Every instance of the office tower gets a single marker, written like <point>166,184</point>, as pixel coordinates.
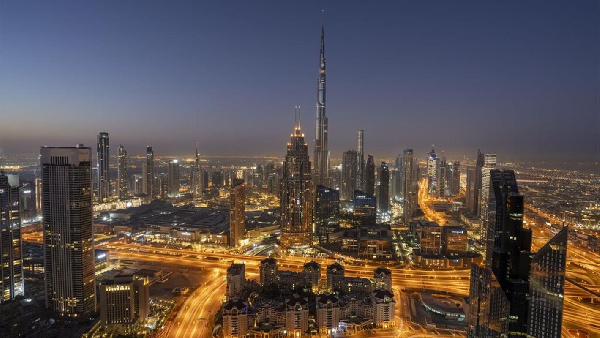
<point>470,189</point>
<point>547,287</point>
<point>478,180</point>
<point>237,212</point>
<point>432,172</point>
<point>430,239</point>
<point>268,271</point>
<point>236,280</point>
<point>365,208</point>
<point>360,160</point>
<point>197,178</point>
<point>489,163</point>
<point>327,212</point>
<point>442,177</point>
<point>296,194</point>
<point>123,179</point>
<point>369,176</point>
<point>103,168</point>
<point>148,174</point>
<point>124,299</point>
<point>321,150</point>
<point>38,195</point>
<point>173,179</point>
<point>397,180</point>
<point>384,188</point>
<point>487,308</point>
<point>511,244</point>
<point>11,252</point>
<point>455,178</point>
<point>349,175</point>
<point>409,187</point>
<point>68,238</point>
<point>217,179</point>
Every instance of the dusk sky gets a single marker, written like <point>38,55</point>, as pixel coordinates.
<point>519,78</point>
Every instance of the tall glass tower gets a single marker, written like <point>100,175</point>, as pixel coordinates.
<point>103,173</point>
<point>11,254</point>
<point>123,179</point>
<point>68,238</point>
<point>321,152</point>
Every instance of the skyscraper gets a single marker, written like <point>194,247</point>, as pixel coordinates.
<point>369,176</point>
<point>321,149</point>
<point>68,238</point>
<point>197,178</point>
<point>384,188</point>
<point>489,163</point>
<point>547,287</point>
<point>173,178</point>
<point>349,175</point>
<point>103,167</point>
<point>432,173</point>
<point>123,179</point>
<point>237,212</point>
<point>296,194</point>
<point>409,187</point>
<point>327,212</point>
<point>477,182</point>
<point>11,253</point>
<point>148,174</point>
<point>360,160</point>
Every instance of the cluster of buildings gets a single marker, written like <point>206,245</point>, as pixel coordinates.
<point>297,303</point>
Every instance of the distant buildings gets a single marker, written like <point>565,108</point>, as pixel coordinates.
<point>360,160</point>
<point>103,167</point>
<point>11,253</point>
<point>237,209</point>
<point>409,185</point>
<point>123,174</point>
<point>296,198</point>
<point>68,238</point>
<point>369,176</point>
<point>433,163</point>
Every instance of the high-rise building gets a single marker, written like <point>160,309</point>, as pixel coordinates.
<point>455,178</point>
<point>103,167</point>
<point>11,252</point>
<point>173,179</point>
<point>236,280</point>
<point>349,175</point>
<point>365,208</point>
<point>327,212</point>
<point>123,179</point>
<point>409,187</point>
<point>267,271</point>
<point>442,177</point>
<point>489,163</point>
<point>321,152</point>
<point>148,174</point>
<point>470,189</point>
<point>235,318</point>
<point>397,180</point>
<point>68,237</point>
<point>360,160</point>
<point>477,182</point>
<point>197,178</point>
<point>312,271</point>
<point>369,176</point>
<point>547,287</point>
<point>433,163</point>
<point>384,188</point>
<point>237,212</point>
<point>296,199</point>
<point>328,313</point>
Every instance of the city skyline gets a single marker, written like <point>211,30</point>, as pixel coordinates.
<point>456,71</point>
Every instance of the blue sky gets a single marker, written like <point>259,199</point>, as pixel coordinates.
<point>513,77</point>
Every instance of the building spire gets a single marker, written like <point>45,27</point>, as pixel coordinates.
<point>321,157</point>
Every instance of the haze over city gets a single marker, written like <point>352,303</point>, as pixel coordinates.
<point>516,78</point>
